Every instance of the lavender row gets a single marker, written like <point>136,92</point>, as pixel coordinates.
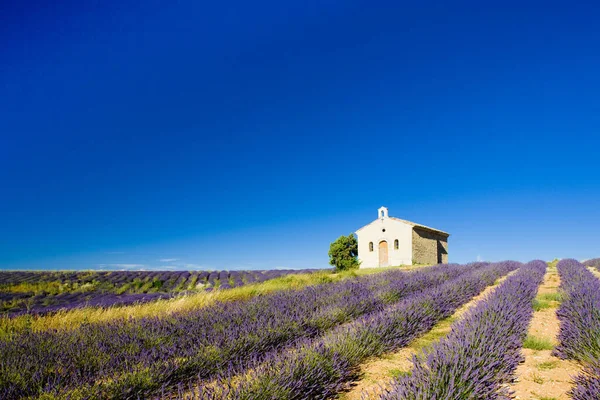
<point>51,291</point>
<point>586,385</point>
<point>579,312</point>
<point>482,351</point>
<point>123,359</point>
<point>82,300</point>
<point>68,277</point>
<point>579,334</point>
<point>594,262</point>
<point>323,367</point>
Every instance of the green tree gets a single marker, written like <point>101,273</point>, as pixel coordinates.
<point>343,253</point>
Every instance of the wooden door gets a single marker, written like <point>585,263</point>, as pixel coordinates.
<point>383,254</point>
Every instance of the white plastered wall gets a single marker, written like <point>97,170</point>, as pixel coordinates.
<point>374,233</point>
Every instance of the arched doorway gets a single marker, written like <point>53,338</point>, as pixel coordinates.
<point>383,254</point>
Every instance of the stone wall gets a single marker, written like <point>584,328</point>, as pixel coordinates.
<point>429,247</point>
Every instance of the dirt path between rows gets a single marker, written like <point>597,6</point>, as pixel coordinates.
<point>543,376</point>
<point>594,271</point>
<point>379,372</point>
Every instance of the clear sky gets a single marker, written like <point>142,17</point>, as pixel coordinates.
<point>221,135</point>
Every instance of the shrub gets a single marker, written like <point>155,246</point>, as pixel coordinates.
<point>343,253</point>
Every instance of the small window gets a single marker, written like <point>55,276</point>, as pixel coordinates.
<point>383,230</point>
<point>396,244</point>
<point>370,246</point>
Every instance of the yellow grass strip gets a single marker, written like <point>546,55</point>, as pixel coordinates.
<point>74,318</point>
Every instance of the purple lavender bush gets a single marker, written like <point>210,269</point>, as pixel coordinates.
<point>594,262</point>
<point>321,368</point>
<point>579,313</point>
<point>586,385</point>
<point>132,358</point>
<point>579,334</point>
<point>482,351</point>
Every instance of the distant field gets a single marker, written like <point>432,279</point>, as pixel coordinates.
<point>473,331</point>
<point>42,292</point>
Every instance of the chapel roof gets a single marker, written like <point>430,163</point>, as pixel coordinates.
<point>428,228</point>
<point>414,224</point>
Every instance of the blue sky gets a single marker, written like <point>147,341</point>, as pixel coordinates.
<point>155,134</point>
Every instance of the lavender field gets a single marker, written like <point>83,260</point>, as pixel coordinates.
<point>305,342</point>
<point>580,325</point>
<point>42,292</point>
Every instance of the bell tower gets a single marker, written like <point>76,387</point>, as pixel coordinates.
<point>382,213</point>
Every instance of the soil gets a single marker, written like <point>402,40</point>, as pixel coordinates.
<point>541,375</point>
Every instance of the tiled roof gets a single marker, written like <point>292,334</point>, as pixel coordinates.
<point>412,224</point>
<point>420,226</point>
